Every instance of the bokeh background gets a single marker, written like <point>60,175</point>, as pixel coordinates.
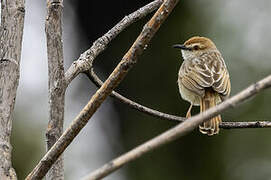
<point>240,29</point>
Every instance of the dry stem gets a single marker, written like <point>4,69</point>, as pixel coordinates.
<point>57,86</point>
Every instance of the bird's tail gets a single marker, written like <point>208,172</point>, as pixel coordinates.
<point>210,127</point>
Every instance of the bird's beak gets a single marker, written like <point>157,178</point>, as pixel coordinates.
<point>181,46</point>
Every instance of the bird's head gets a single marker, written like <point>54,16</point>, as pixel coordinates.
<point>195,46</point>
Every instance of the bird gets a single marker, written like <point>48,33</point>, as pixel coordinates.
<point>203,79</point>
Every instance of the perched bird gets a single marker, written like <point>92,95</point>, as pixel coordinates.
<point>203,79</point>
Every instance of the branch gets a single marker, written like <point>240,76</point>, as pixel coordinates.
<point>127,62</point>
<point>152,112</point>
<point>85,60</point>
<point>236,125</point>
<point>179,130</point>
<point>53,28</point>
<point>11,33</point>
<point>225,125</point>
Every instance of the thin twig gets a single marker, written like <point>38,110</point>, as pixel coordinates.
<point>98,82</point>
<point>127,62</point>
<point>179,130</point>
<point>225,125</point>
<point>11,34</point>
<point>238,125</point>
<point>84,62</point>
<point>57,86</point>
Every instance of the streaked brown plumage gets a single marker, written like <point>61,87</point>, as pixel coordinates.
<point>203,79</point>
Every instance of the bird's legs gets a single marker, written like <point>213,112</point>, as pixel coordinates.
<point>188,114</point>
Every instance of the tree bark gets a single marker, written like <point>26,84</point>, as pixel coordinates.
<point>11,32</point>
<point>53,27</point>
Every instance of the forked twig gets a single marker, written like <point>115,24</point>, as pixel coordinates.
<point>85,61</point>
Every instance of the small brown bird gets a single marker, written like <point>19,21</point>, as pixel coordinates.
<point>203,79</point>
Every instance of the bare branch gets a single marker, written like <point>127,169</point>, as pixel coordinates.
<point>57,86</point>
<point>98,82</point>
<point>179,130</point>
<point>254,124</point>
<point>225,125</point>
<point>11,33</point>
<point>127,62</point>
<point>85,60</point>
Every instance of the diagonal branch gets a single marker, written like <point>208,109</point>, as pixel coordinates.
<point>225,125</point>
<point>179,130</point>
<point>85,61</point>
<point>127,62</point>
<point>56,89</point>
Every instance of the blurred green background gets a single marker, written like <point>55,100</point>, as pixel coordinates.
<point>240,30</point>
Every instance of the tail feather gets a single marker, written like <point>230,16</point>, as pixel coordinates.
<point>210,127</point>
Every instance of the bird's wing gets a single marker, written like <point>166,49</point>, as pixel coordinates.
<point>209,70</point>
<point>220,74</point>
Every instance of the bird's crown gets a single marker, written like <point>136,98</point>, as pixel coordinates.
<point>199,43</point>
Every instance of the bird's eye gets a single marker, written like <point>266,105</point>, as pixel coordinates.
<point>196,47</point>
